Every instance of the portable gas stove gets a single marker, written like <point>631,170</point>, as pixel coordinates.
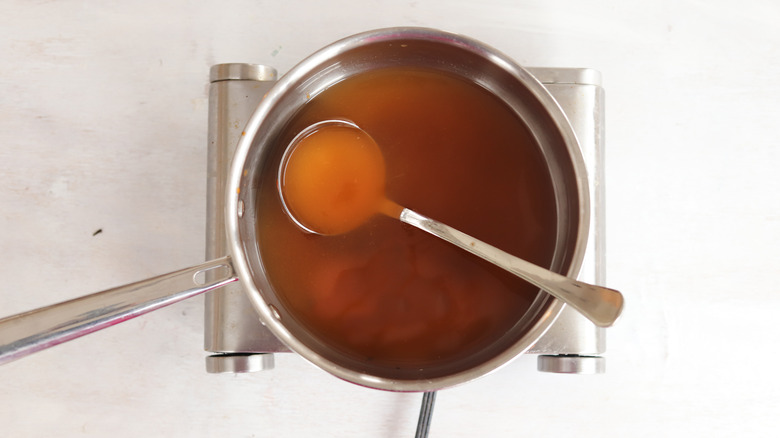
<point>234,336</point>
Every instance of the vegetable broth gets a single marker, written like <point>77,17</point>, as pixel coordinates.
<point>387,292</point>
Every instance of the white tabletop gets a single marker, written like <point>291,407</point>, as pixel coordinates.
<point>103,110</point>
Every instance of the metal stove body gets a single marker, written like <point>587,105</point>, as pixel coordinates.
<point>235,338</point>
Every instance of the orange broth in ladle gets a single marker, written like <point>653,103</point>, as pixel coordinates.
<point>386,292</point>
<point>332,178</point>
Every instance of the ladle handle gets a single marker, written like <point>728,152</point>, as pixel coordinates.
<point>29,332</point>
<point>599,304</point>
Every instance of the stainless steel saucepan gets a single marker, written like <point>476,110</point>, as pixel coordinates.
<point>29,332</point>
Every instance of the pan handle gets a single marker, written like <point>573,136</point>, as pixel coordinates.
<point>36,330</point>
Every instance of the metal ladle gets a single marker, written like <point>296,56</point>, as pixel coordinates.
<point>331,180</point>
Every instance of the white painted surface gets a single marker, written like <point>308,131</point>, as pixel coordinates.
<point>103,126</point>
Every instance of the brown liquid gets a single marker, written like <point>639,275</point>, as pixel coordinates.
<point>389,293</point>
